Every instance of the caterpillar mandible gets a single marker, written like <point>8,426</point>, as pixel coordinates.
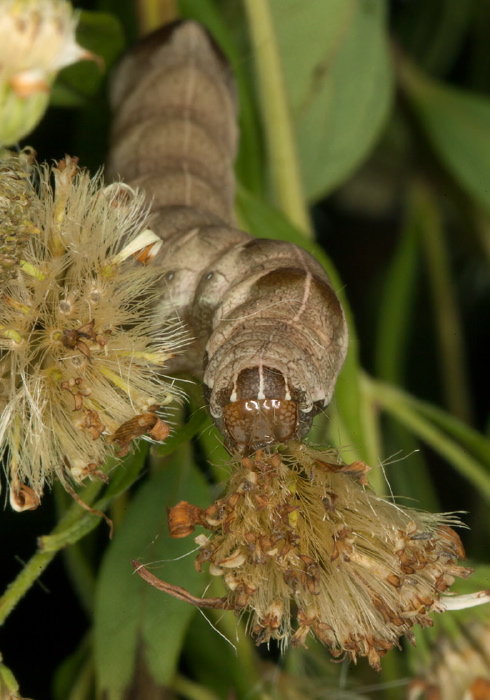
<point>270,333</point>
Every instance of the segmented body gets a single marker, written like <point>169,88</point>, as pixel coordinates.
<point>270,334</point>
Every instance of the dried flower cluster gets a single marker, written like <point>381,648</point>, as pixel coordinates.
<point>80,353</point>
<point>299,535</point>
<point>460,667</point>
<point>16,201</point>
<point>37,39</point>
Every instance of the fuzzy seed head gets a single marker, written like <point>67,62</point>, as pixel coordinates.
<point>80,353</point>
<point>16,201</point>
<point>301,535</point>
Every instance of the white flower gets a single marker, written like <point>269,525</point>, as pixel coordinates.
<point>81,354</point>
<point>37,39</point>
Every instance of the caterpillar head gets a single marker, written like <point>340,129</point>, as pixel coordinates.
<point>261,407</point>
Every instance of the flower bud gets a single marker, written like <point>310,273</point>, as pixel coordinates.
<point>37,39</point>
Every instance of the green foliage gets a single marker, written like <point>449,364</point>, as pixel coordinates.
<point>338,83</point>
<point>432,43</point>
<point>102,34</point>
<point>132,622</point>
<point>457,124</point>
<point>320,115</point>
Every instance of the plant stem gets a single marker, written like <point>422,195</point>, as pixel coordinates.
<point>191,690</point>
<point>372,447</point>
<point>395,317</point>
<point>83,686</point>
<point>447,317</point>
<point>153,14</point>
<point>398,404</point>
<point>285,173</point>
<point>41,559</point>
<point>17,589</point>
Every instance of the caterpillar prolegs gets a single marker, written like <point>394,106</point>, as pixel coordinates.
<point>270,334</point>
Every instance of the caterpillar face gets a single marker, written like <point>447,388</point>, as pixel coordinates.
<point>259,411</point>
<point>262,408</point>
<point>268,327</point>
<point>255,423</point>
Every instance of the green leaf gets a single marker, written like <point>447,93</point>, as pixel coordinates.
<point>127,14</point>
<point>395,317</point>
<point>263,221</point>
<point>74,672</point>
<point>131,617</point>
<point>405,409</point>
<point>406,469</point>
<point>183,434</point>
<point>457,124</point>
<point>101,34</point>
<point>338,80</point>
<point>9,687</point>
<point>123,474</point>
<point>474,442</point>
<point>214,662</point>
<point>478,60</point>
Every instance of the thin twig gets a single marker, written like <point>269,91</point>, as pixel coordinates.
<point>179,592</point>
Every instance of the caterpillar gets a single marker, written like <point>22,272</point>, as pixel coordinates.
<point>269,332</point>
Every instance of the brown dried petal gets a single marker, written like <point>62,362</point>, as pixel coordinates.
<point>92,424</point>
<point>69,339</point>
<point>357,469</point>
<point>343,545</point>
<point>84,349</point>
<point>77,396</point>
<point>182,519</point>
<point>447,533</point>
<point>310,578</point>
<point>160,430</point>
<point>87,330</point>
<point>22,497</point>
<point>329,501</point>
<point>267,627</point>
<point>146,254</point>
<point>479,689</point>
<point>92,470</point>
<point>136,427</point>
<point>394,580</point>
<point>242,595</point>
